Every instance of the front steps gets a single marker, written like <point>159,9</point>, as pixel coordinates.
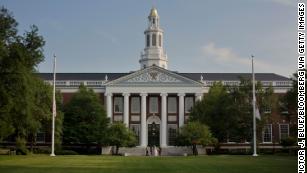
<point>166,151</point>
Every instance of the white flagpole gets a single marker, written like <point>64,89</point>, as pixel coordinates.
<point>53,107</point>
<point>254,111</point>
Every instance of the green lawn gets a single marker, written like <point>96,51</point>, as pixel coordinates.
<point>110,164</point>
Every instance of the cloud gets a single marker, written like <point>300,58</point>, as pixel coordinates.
<point>229,56</point>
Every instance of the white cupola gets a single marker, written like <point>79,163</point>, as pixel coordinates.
<point>153,53</point>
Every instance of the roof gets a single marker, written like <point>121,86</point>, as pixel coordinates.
<point>193,76</point>
<point>235,76</point>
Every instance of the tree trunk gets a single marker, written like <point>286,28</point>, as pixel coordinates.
<point>117,147</point>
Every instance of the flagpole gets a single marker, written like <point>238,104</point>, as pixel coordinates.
<point>53,107</point>
<point>254,111</point>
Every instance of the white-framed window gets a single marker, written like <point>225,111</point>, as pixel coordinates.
<point>153,105</point>
<point>188,104</point>
<point>118,104</point>
<point>172,134</point>
<point>267,133</point>
<point>135,105</point>
<point>172,104</point>
<point>283,131</point>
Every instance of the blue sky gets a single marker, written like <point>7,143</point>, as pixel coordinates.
<point>199,35</point>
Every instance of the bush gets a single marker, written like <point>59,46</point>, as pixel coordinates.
<point>66,152</point>
<point>21,148</point>
<point>290,141</point>
<point>42,151</point>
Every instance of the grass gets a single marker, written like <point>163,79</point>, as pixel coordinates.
<point>115,164</point>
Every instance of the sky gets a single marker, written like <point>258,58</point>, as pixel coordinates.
<point>199,35</point>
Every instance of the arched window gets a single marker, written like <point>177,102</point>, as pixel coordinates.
<point>160,40</point>
<point>147,40</point>
<point>154,39</point>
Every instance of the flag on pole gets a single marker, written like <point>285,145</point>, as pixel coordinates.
<point>257,113</point>
<point>53,94</point>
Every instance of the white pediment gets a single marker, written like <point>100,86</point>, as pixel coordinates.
<point>152,76</point>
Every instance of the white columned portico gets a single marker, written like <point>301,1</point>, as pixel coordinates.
<point>143,120</point>
<point>181,109</point>
<point>163,120</point>
<point>198,96</point>
<point>109,105</point>
<point>126,109</point>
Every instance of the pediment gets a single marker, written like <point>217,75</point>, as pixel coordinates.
<point>152,76</point>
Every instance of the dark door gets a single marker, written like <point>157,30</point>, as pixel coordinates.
<point>153,134</point>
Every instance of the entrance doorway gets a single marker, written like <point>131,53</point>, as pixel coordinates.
<point>154,134</point>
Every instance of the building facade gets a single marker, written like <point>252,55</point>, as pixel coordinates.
<point>155,102</point>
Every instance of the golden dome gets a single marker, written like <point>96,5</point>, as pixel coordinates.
<point>153,12</point>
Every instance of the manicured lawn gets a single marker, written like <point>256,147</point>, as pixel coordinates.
<point>110,164</point>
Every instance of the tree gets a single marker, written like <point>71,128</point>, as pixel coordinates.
<point>121,136</point>
<point>22,110</point>
<point>195,133</point>
<point>242,97</point>
<point>289,102</point>
<point>85,120</point>
<point>228,110</point>
<point>216,110</point>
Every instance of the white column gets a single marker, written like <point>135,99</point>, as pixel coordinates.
<point>163,120</point>
<point>109,105</point>
<point>198,96</point>
<point>143,120</point>
<point>126,109</point>
<point>181,109</point>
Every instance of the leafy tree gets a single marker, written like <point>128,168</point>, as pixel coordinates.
<point>216,110</point>
<point>228,110</point>
<point>195,133</point>
<point>22,105</point>
<point>85,120</point>
<point>289,102</point>
<point>121,136</point>
<point>242,97</point>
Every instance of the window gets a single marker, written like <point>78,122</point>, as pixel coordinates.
<point>283,131</point>
<point>267,133</point>
<point>154,21</point>
<point>118,104</point>
<point>153,105</point>
<point>172,104</point>
<point>135,105</point>
<point>267,109</point>
<point>147,40</point>
<point>136,129</point>
<point>172,134</point>
<point>188,104</point>
<point>154,39</point>
<point>160,40</point>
